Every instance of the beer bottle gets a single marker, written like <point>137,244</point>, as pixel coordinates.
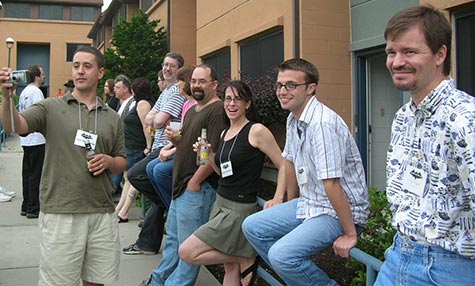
<point>89,153</point>
<point>202,154</point>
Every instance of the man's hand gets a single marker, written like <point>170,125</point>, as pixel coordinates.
<point>99,163</point>
<point>5,76</point>
<point>343,244</point>
<point>191,186</point>
<point>273,202</point>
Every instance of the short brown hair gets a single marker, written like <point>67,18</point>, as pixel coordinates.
<point>433,24</point>
<point>184,74</point>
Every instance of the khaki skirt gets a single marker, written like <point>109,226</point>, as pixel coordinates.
<point>223,230</point>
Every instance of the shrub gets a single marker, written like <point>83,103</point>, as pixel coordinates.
<point>269,110</point>
<point>378,235</point>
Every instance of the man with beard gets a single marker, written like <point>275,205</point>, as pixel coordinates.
<point>167,107</point>
<point>33,146</point>
<point>193,194</point>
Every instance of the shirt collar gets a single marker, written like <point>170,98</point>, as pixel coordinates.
<point>68,97</point>
<point>432,101</point>
<point>307,112</point>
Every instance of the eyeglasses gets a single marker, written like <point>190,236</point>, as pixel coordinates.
<point>172,66</point>
<point>289,86</point>
<point>200,81</point>
<point>236,100</point>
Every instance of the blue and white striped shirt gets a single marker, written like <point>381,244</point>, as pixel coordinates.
<point>171,102</point>
<point>327,150</point>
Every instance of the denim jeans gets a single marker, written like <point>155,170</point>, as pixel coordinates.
<point>187,212</point>
<point>412,264</point>
<point>160,175</point>
<point>288,244</point>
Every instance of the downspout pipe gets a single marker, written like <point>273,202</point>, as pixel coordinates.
<point>169,12</point>
<point>296,40</point>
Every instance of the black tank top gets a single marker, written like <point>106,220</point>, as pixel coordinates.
<point>247,162</point>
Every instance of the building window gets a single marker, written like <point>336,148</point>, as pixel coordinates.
<point>221,62</point>
<point>262,53</point>
<point>146,4</point>
<point>71,48</point>
<point>17,10</point>
<point>465,54</point>
<point>51,12</point>
<point>82,13</point>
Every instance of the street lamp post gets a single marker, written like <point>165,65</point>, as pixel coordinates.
<point>10,42</point>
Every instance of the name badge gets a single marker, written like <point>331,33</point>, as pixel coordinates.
<point>302,175</point>
<point>84,136</point>
<point>226,169</point>
<point>414,180</point>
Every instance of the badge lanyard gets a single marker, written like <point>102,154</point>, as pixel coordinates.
<point>226,167</point>
<point>81,135</point>
<point>80,118</point>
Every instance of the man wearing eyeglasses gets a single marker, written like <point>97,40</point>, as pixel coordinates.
<point>168,107</point>
<point>193,191</point>
<point>326,188</point>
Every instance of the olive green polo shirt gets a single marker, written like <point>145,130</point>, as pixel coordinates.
<point>66,185</point>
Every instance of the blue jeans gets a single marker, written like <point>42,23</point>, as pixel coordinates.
<point>187,212</point>
<point>160,175</point>
<point>413,264</point>
<point>288,244</point>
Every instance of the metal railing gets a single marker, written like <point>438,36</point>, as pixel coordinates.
<point>373,265</point>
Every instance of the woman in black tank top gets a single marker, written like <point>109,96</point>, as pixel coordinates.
<point>239,160</point>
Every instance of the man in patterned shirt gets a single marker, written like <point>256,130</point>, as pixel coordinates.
<point>326,186</point>
<point>431,158</point>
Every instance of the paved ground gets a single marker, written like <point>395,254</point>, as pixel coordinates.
<point>19,243</point>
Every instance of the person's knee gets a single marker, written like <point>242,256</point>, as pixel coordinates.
<point>184,251</point>
<point>279,258</point>
<point>248,226</point>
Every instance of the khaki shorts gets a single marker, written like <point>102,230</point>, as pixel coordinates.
<point>77,247</point>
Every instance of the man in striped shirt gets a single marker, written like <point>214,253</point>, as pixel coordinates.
<point>326,188</point>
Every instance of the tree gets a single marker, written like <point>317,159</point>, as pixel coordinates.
<point>139,47</point>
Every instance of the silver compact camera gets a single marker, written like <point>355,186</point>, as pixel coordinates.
<point>19,77</point>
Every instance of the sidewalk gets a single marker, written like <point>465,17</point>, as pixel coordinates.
<point>19,251</point>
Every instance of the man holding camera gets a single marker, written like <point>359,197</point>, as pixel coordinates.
<point>79,235</point>
<point>33,146</point>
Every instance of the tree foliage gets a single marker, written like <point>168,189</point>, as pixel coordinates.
<point>139,47</point>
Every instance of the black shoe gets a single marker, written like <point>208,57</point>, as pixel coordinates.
<point>31,215</point>
<point>251,270</point>
<point>141,224</point>
<point>23,213</point>
<point>121,220</point>
<point>133,249</point>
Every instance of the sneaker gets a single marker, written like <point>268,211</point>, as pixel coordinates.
<point>32,215</point>
<point>8,193</point>
<point>4,198</point>
<point>146,282</point>
<point>133,249</point>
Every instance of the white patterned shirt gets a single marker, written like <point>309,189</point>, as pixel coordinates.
<point>434,143</point>
<point>325,149</point>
